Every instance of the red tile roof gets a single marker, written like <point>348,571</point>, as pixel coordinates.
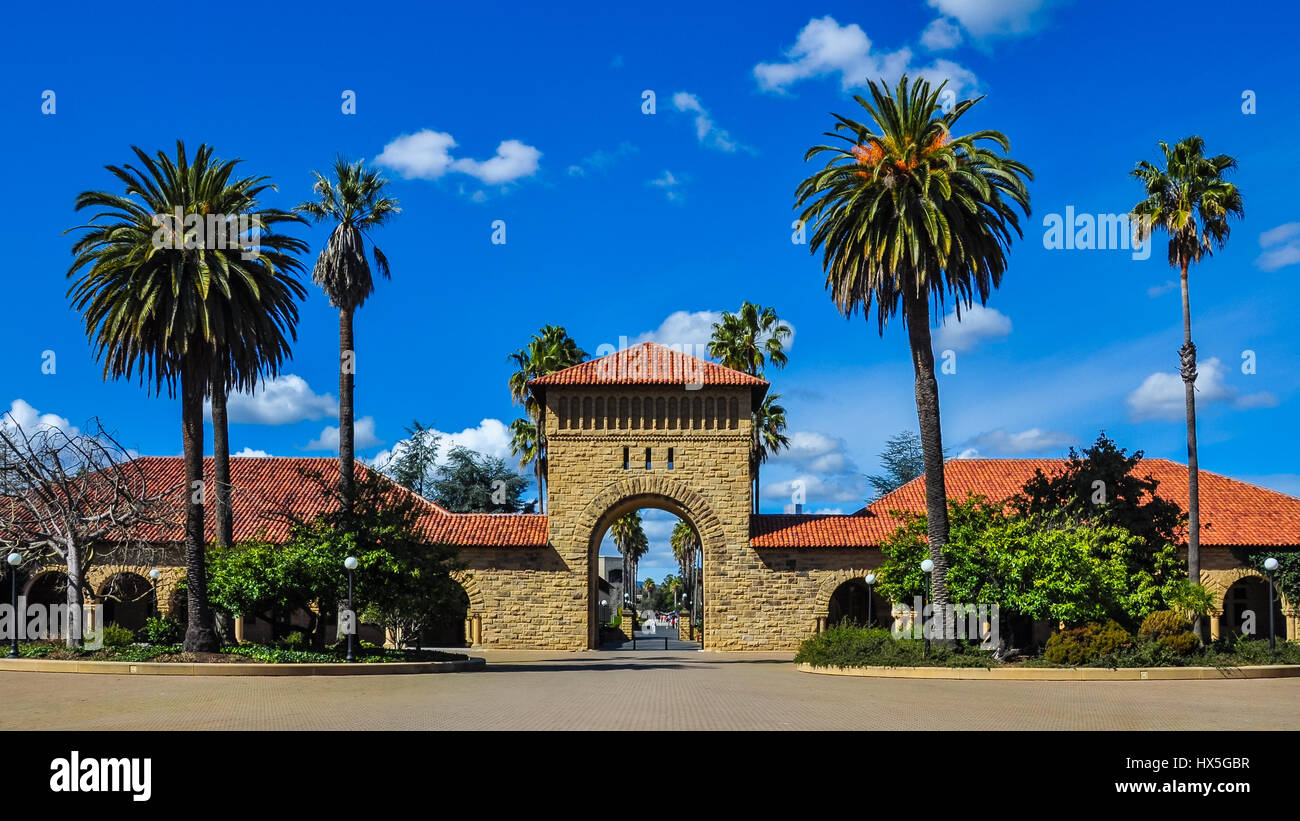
<point>270,493</point>
<point>1233,513</point>
<point>649,364</point>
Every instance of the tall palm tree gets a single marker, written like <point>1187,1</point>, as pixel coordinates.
<point>769,436</point>
<point>181,303</point>
<point>748,341</point>
<point>1188,199</point>
<point>354,200</point>
<point>685,543</point>
<point>907,212</point>
<point>629,537</point>
<point>551,349</point>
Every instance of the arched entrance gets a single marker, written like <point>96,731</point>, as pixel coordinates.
<point>1245,610</point>
<point>856,602</point>
<point>446,628</point>
<point>658,493</point>
<point>128,600</point>
<point>48,588</point>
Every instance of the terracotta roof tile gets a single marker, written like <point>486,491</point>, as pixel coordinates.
<point>271,492</point>
<point>649,364</point>
<point>1233,513</point>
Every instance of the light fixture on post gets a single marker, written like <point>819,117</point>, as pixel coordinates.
<point>870,580</point>
<point>927,567</point>
<point>14,559</point>
<point>154,575</point>
<point>351,564</point>
<point>1270,564</point>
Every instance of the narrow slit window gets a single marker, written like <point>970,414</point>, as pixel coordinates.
<point>626,463</point>
<point>670,458</point>
<point>647,458</point>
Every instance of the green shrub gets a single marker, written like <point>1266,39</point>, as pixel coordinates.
<point>851,646</point>
<point>1081,645</point>
<point>292,641</point>
<point>117,636</point>
<point>158,630</point>
<point>1180,644</point>
<point>1164,624</point>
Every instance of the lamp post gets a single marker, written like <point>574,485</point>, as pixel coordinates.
<point>1270,564</point>
<point>14,559</point>
<point>870,580</point>
<point>926,567</point>
<point>154,575</point>
<point>351,564</point>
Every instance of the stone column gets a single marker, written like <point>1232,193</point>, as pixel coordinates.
<point>821,624</point>
<point>239,629</point>
<point>1213,618</point>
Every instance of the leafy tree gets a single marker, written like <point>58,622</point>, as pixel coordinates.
<point>903,459</point>
<point>413,463</point>
<point>472,482</point>
<point>906,212</point>
<point>1189,199</point>
<point>1104,484</point>
<point>685,543</point>
<point>550,350</point>
<point>173,303</point>
<point>398,574</point>
<point>353,200</point>
<point>748,341</point>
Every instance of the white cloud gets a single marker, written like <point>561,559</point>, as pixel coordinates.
<point>1161,395</point>
<point>281,401</point>
<point>824,48</point>
<point>977,324</point>
<point>1283,247</point>
<point>941,34</point>
<point>250,452</point>
<point>490,437</point>
<point>817,453</point>
<point>814,488</point>
<point>991,18</point>
<point>669,184</point>
<point>32,421</point>
<point>706,130</point>
<point>1000,442</point>
<point>426,155</point>
<point>601,159</point>
<point>689,331</point>
<point>1162,289</point>
<point>363,436</point>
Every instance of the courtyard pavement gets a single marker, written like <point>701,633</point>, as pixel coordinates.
<point>644,690</point>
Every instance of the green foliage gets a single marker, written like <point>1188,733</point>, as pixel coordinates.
<point>414,461</point>
<point>903,459</point>
<point>471,482</point>
<point>117,636</point>
<point>1088,643</point>
<point>159,630</point>
<point>852,646</point>
<point>1162,624</point>
<point>1103,485</point>
<point>1188,597</point>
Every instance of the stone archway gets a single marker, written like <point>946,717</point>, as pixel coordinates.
<point>834,582</point>
<point>636,493</point>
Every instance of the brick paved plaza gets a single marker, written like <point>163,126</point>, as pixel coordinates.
<point>672,690</point>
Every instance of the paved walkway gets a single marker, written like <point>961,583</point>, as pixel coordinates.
<point>649,689</point>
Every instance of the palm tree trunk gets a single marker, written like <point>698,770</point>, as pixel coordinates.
<point>221,463</point>
<point>347,364</point>
<point>1187,357</point>
<point>200,636</point>
<point>916,309</point>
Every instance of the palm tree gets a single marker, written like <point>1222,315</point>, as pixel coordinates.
<point>907,212</point>
<point>686,547</point>
<point>769,436</point>
<point>353,199</point>
<point>550,350</point>
<point>181,303</point>
<point>748,341</point>
<point>1189,199</point>
<point>629,537</point>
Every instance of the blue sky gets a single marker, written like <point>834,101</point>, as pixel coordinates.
<point>626,224</point>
